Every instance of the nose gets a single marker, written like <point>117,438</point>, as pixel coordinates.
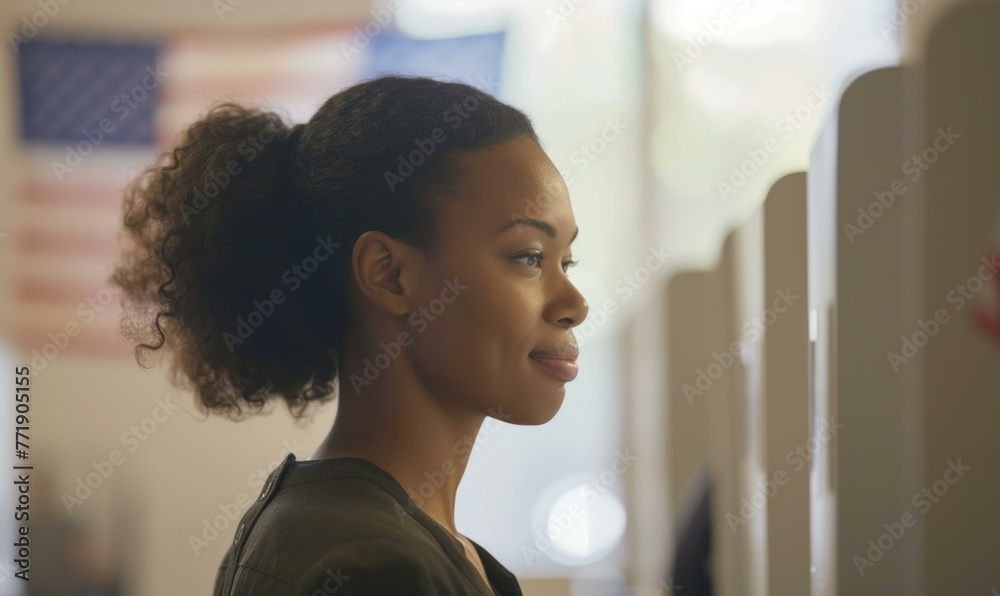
<point>571,308</point>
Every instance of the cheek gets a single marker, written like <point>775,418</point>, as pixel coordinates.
<point>503,313</point>
<point>471,322</point>
<point>487,324</point>
<point>475,350</point>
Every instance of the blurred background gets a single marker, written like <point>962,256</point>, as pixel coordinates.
<point>729,161</point>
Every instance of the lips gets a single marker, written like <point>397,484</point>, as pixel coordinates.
<point>566,351</point>
<point>560,361</point>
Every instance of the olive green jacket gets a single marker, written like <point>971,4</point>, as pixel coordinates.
<point>345,526</point>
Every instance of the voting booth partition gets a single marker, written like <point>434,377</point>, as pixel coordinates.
<point>958,307</point>
<point>787,449</point>
<point>767,429</point>
<point>739,355</point>
<point>696,307</point>
<point>703,362</point>
<point>858,197</point>
<point>853,436</point>
<point>904,215</point>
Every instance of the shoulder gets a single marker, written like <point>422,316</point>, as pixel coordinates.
<point>378,566</point>
<point>352,511</point>
<point>352,540</point>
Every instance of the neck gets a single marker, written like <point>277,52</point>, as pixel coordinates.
<point>392,423</point>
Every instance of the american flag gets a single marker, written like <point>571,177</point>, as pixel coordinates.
<point>87,122</point>
<point>95,112</point>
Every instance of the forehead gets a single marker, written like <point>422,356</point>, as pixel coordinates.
<point>513,179</point>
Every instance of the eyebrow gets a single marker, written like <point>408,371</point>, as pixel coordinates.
<point>544,226</point>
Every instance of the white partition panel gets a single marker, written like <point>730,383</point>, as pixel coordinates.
<point>710,358</point>
<point>873,470</point>
<point>723,378</point>
<point>693,305</point>
<point>749,522</point>
<point>959,365</point>
<point>725,439</point>
<point>786,453</point>
<point>739,351</point>
<point>857,188</point>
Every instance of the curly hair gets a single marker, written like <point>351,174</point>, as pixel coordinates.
<point>238,241</point>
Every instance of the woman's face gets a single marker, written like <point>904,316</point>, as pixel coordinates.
<point>498,291</point>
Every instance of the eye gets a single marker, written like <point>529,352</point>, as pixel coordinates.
<point>539,257</point>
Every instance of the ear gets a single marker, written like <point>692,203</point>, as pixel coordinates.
<point>386,271</point>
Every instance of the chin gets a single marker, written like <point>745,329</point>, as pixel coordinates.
<point>538,409</point>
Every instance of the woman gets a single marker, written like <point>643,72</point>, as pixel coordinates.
<point>410,241</point>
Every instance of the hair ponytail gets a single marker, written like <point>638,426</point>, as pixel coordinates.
<point>205,264</point>
<point>239,239</point>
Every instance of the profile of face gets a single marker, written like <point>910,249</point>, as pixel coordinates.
<point>498,290</point>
